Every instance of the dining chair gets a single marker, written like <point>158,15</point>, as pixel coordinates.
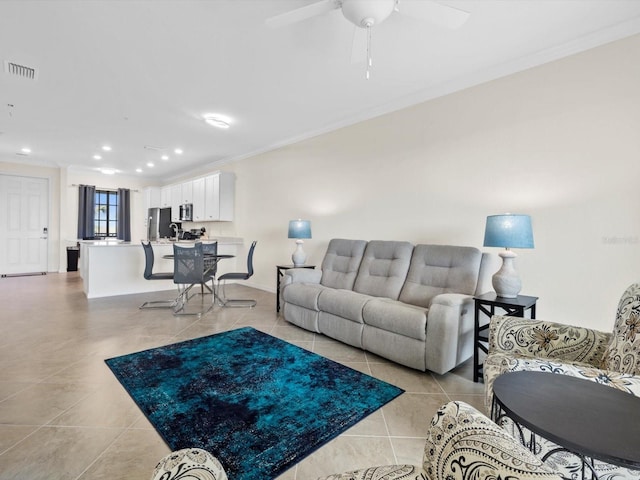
<point>149,275</point>
<point>188,271</point>
<point>237,302</point>
<point>210,262</point>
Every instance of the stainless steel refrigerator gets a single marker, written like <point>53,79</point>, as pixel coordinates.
<point>158,221</point>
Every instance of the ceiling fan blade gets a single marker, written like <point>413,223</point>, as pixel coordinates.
<point>434,12</point>
<point>302,13</point>
<point>359,45</point>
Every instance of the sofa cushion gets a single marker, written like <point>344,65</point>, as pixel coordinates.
<point>384,268</point>
<point>343,303</point>
<point>341,263</point>
<point>437,269</point>
<point>623,353</point>
<point>396,317</point>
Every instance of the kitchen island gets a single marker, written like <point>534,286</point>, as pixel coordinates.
<point>111,267</point>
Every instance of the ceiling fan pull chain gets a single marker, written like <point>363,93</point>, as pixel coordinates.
<point>369,61</point>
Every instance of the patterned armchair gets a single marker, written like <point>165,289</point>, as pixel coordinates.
<point>461,444</point>
<point>612,359</point>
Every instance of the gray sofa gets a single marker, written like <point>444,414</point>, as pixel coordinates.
<point>410,304</point>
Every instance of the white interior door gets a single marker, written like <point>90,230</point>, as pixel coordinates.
<point>24,224</point>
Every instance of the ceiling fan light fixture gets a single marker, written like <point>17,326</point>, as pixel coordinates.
<point>366,13</point>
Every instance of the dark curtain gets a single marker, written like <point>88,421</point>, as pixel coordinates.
<point>124,214</point>
<point>86,211</point>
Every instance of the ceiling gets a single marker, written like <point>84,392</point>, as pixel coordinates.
<point>139,75</point>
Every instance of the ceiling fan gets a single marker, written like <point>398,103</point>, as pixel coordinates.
<point>367,13</point>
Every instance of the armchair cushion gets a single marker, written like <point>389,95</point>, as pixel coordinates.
<point>623,354</point>
<point>385,472</point>
<point>542,339</point>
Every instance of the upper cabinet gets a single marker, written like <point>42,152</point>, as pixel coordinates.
<point>219,197</point>
<point>176,201</point>
<point>212,197</point>
<point>199,199</point>
<point>187,192</point>
<point>165,196</point>
<point>152,197</point>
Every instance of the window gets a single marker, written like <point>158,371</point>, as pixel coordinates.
<point>106,215</point>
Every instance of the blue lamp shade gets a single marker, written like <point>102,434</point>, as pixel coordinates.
<point>508,231</point>
<point>299,229</point>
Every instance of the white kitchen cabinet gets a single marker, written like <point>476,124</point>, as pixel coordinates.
<point>151,200</point>
<point>187,192</point>
<point>165,196</point>
<point>219,197</point>
<point>176,201</point>
<point>152,197</point>
<point>199,200</point>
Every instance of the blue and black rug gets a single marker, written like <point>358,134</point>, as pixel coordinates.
<point>257,403</point>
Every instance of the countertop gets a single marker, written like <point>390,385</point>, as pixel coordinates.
<point>120,243</point>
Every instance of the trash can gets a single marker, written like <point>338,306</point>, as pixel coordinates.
<point>72,259</point>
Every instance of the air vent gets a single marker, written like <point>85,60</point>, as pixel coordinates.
<point>22,71</point>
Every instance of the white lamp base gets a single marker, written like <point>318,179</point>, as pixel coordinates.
<point>299,257</point>
<point>506,281</point>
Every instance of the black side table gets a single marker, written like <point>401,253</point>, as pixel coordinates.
<point>280,274</point>
<point>585,418</point>
<point>487,304</point>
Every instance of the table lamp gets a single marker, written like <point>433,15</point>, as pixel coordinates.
<point>508,231</point>
<point>299,229</point>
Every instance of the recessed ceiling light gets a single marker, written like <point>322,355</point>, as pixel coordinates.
<point>97,157</point>
<point>139,170</point>
<point>25,150</point>
<point>108,171</point>
<point>165,157</point>
<point>178,151</point>
<point>106,148</point>
<point>217,120</point>
<point>150,164</point>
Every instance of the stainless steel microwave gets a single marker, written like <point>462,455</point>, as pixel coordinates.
<point>186,212</point>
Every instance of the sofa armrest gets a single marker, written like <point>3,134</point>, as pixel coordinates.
<point>449,338</point>
<point>463,443</point>
<point>541,339</point>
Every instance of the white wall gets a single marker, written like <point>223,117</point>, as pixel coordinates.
<point>559,142</point>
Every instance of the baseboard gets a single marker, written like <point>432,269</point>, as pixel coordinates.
<point>259,286</point>
<point>30,274</point>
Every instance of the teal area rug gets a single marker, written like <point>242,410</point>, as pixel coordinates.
<point>257,403</point>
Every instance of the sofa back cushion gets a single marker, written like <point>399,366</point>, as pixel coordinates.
<point>384,268</point>
<point>437,269</point>
<point>623,353</point>
<point>341,263</point>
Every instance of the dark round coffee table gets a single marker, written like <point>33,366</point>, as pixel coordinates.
<point>591,420</point>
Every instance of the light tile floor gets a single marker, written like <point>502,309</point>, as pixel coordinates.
<point>63,415</point>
